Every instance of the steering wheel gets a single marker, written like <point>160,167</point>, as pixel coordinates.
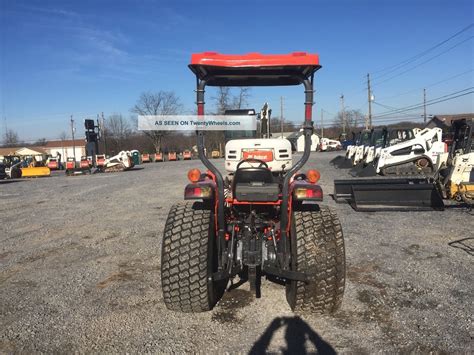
<point>261,165</point>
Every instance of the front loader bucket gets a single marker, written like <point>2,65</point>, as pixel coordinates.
<point>343,163</point>
<point>389,194</point>
<point>356,169</point>
<point>337,160</point>
<point>37,171</point>
<point>367,171</point>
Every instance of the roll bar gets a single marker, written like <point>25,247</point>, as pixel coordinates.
<point>307,131</point>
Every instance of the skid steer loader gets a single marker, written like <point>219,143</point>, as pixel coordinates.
<point>414,156</point>
<point>450,177</point>
<point>120,162</point>
<point>455,168</point>
<point>264,219</point>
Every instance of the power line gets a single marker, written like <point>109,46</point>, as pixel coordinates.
<point>419,55</point>
<point>429,103</point>
<point>413,105</point>
<point>389,107</point>
<point>427,86</point>
<point>424,62</point>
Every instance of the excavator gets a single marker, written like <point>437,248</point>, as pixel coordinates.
<point>419,174</point>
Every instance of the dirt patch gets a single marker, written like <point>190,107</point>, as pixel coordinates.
<point>226,310</point>
<point>363,274</point>
<point>116,277</point>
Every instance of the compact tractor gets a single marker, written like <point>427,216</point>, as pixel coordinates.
<point>264,218</point>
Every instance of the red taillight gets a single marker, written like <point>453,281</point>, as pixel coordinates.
<point>193,192</point>
<point>308,192</point>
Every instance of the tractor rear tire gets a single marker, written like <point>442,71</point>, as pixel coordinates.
<point>317,249</point>
<point>188,259</point>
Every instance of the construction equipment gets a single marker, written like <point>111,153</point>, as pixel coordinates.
<point>158,157</point>
<point>455,168</point>
<point>450,177</point>
<point>386,138</point>
<point>172,156</point>
<point>53,163</point>
<point>100,160</point>
<point>215,154</point>
<point>73,170</point>
<point>414,156</point>
<point>146,158</point>
<point>35,171</point>
<point>120,162</point>
<point>264,219</point>
<point>327,145</point>
<point>3,174</point>
<point>187,155</point>
<point>12,165</point>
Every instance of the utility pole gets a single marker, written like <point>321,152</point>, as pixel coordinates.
<point>424,105</point>
<point>322,123</point>
<point>343,117</point>
<point>73,142</point>
<point>103,134</point>
<point>281,115</point>
<point>369,96</point>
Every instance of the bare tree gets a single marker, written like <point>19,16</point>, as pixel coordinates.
<point>63,136</point>
<point>223,99</point>
<point>353,120</point>
<point>241,99</point>
<point>40,142</point>
<point>160,103</point>
<point>118,130</point>
<point>10,138</point>
<point>275,126</point>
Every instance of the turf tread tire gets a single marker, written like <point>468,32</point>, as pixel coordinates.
<point>186,259</point>
<point>319,252</point>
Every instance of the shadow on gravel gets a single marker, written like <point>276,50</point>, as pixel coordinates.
<point>297,333</point>
<point>466,244</point>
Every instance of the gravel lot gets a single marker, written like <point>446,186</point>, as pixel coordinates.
<point>80,260</point>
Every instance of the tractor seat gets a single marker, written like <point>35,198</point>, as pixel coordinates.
<point>255,185</point>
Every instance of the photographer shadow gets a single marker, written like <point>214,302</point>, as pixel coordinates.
<point>297,333</point>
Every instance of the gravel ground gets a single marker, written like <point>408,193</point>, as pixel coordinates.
<point>80,272</point>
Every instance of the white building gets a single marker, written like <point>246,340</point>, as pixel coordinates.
<point>66,148</point>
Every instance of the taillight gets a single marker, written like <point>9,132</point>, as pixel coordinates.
<point>192,192</point>
<point>308,192</point>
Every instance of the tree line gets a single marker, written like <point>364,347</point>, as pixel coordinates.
<point>119,132</point>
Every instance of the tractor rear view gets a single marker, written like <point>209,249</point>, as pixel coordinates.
<point>264,218</point>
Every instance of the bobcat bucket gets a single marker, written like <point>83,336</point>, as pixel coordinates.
<point>363,171</point>
<point>389,194</point>
<point>341,162</point>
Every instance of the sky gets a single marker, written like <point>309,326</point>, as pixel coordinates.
<point>81,58</point>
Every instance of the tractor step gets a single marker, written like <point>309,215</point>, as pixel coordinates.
<point>389,194</point>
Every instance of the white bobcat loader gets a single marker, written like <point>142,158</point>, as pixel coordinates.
<point>414,156</point>
<point>439,174</point>
<point>120,162</point>
<point>389,138</point>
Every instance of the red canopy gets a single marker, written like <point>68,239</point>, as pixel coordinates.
<point>254,69</point>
